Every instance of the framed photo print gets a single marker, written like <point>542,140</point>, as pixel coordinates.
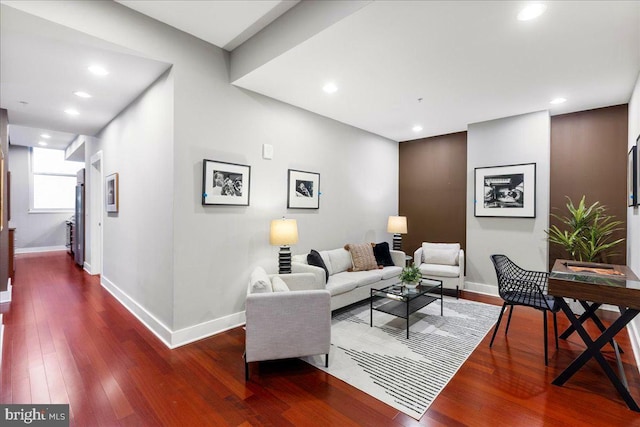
<point>111,192</point>
<point>303,190</point>
<point>632,177</point>
<point>225,183</point>
<point>506,191</point>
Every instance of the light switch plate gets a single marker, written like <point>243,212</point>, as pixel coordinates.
<point>267,151</point>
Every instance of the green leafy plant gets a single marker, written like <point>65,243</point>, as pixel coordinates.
<point>587,233</point>
<point>410,274</point>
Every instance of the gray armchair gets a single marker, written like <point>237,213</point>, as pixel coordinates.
<point>282,325</point>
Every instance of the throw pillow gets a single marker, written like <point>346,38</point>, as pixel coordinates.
<point>260,282</point>
<point>441,256</point>
<point>382,254</point>
<point>314,258</point>
<point>362,256</point>
<point>279,285</point>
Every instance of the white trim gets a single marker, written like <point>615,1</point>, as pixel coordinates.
<point>96,213</point>
<point>1,339</point>
<point>203,330</point>
<point>481,288</point>
<point>149,320</point>
<point>5,296</point>
<point>634,337</point>
<point>87,267</point>
<point>168,337</point>
<point>40,249</point>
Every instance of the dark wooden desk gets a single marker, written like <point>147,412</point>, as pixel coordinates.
<point>610,284</point>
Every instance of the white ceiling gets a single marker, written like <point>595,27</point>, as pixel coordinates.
<point>468,61</point>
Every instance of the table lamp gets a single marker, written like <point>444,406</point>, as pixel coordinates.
<point>397,225</point>
<point>284,232</point>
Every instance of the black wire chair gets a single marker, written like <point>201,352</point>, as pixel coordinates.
<point>524,287</point>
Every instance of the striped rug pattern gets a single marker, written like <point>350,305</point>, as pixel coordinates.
<point>406,374</point>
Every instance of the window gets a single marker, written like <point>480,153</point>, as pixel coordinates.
<point>53,180</point>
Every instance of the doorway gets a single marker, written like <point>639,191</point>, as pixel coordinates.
<point>95,213</point>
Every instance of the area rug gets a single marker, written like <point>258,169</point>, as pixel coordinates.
<point>407,374</point>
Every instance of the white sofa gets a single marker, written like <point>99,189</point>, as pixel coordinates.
<point>442,261</point>
<point>293,321</point>
<point>348,287</point>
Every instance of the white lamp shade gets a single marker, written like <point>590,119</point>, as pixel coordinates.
<point>283,232</point>
<point>397,225</point>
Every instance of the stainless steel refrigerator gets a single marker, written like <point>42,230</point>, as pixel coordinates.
<point>78,235</point>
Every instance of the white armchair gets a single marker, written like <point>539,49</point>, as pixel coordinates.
<point>287,324</point>
<point>442,261</point>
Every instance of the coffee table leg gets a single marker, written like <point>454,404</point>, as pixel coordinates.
<point>371,311</point>
<point>407,318</point>
<point>441,303</point>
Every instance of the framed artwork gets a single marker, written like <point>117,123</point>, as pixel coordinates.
<point>303,190</point>
<point>225,183</point>
<point>111,192</point>
<point>505,191</point>
<point>632,177</point>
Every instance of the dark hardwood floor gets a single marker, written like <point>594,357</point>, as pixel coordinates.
<point>67,340</point>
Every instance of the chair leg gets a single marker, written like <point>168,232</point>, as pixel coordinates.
<point>326,360</point>
<point>246,367</point>
<point>555,328</point>
<point>546,350</point>
<point>506,330</point>
<point>497,324</point>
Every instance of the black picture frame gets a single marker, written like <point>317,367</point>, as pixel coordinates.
<point>111,193</point>
<point>632,176</point>
<point>507,191</point>
<point>303,190</point>
<point>224,183</point>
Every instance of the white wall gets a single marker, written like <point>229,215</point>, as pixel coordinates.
<point>214,248</point>
<point>33,230</point>
<point>633,215</point>
<point>512,140</point>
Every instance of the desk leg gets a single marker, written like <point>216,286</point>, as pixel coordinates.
<point>593,350</point>
<point>589,313</point>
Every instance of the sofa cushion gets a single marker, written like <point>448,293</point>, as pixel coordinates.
<point>314,258</point>
<point>441,253</point>
<point>438,270</point>
<point>260,282</point>
<point>389,272</point>
<point>339,284</point>
<point>362,256</point>
<point>340,260</point>
<point>300,258</point>
<point>278,284</point>
<point>382,254</point>
<point>361,278</point>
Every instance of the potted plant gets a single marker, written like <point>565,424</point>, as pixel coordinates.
<point>588,231</point>
<point>410,276</point>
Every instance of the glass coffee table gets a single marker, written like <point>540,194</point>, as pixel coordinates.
<point>400,301</point>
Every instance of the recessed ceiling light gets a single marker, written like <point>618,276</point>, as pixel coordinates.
<point>42,143</point>
<point>98,70</point>
<point>330,88</point>
<point>72,112</point>
<point>558,100</point>
<point>45,135</point>
<point>416,128</point>
<point>531,11</point>
<point>82,94</point>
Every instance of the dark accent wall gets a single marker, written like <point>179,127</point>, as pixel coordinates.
<point>433,190</point>
<point>4,234</point>
<point>589,157</point>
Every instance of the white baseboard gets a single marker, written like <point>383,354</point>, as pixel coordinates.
<point>170,338</point>
<point>634,337</point>
<point>87,267</point>
<point>203,330</point>
<point>40,249</point>
<point>481,288</point>
<point>5,296</point>
<point>147,319</point>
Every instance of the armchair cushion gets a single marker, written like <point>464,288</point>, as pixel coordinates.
<point>279,285</point>
<point>440,270</point>
<point>314,258</point>
<point>382,254</point>
<point>260,282</point>
<point>441,253</point>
